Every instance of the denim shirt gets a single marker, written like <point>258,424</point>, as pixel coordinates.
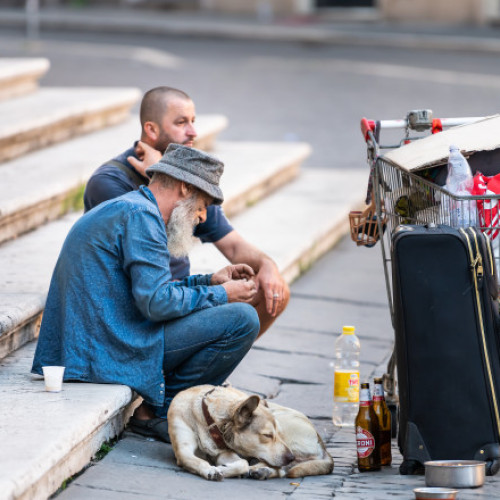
<point>111,298</point>
<point>109,182</point>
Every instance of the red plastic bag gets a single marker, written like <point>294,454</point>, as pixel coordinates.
<point>488,210</point>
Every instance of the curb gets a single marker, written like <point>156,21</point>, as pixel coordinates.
<point>172,25</point>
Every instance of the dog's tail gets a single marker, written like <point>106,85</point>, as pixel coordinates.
<point>313,467</point>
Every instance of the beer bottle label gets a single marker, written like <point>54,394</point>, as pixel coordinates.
<point>365,442</point>
<point>378,393</point>
<point>346,386</point>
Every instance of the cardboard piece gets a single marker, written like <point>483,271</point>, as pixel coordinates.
<point>433,150</point>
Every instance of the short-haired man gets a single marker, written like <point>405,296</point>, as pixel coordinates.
<point>113,313</point>
<point>167,116</point>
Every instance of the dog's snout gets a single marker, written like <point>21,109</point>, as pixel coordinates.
<point>288,457</point>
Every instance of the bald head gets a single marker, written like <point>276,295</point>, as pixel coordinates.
<point>167,116</point>
<point>154,105</point>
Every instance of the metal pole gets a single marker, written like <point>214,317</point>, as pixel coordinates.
<point>32,19</point>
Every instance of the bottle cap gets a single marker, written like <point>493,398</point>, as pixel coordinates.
<point>453,147</point>
<point>377,380</point>
<point>348,330</point>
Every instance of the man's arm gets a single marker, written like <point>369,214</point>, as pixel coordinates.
<point>237,250</point>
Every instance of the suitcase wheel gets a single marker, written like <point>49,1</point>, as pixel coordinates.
<point>411,468</point>
<point>492,466</point>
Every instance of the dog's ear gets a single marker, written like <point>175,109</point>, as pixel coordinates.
<point>244,412</point>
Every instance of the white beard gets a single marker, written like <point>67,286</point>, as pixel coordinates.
<point>180,228</point>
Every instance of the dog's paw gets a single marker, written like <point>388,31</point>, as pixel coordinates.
<point>259,473</point>
<point>215,474</point>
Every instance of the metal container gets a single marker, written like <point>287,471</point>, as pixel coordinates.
<point>435,493</point>
<point>455,473</point>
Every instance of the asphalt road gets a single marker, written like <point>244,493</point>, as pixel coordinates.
<point>279,91</point>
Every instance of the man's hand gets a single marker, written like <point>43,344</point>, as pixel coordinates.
<point>271,283</point>
<point>234,272</point>
<point>146,155</point>
<point>238,281</point>
<point>240,290</point>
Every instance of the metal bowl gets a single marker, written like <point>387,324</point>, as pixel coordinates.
<point>455,473</point>
<point>435,493</point>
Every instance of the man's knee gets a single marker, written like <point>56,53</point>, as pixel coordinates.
<point>246,318</point>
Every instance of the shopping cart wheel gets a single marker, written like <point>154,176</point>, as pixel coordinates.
<point>411,468</point>
<point>492,466</point>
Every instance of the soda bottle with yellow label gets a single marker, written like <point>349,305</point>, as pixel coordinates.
<point>346,378</point>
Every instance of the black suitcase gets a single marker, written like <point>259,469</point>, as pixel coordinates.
<point>447,346</point>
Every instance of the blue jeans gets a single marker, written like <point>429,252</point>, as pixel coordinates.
<point>205,347</point>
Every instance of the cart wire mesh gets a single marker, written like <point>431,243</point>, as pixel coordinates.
<point>403,197</point>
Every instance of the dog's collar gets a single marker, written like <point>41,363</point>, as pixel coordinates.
<point>214,431</point>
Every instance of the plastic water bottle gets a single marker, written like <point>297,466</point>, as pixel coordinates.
<point>346,378</point>
<point>460,182</point>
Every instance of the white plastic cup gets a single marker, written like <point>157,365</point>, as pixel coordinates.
<point>53,376</point>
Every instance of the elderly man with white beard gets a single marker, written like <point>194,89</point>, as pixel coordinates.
<point>113,313</point>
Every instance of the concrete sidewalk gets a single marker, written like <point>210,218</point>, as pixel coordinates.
<point>292,364</point>
<point>349,26</point>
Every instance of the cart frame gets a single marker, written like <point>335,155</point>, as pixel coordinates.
<point>396,196</point>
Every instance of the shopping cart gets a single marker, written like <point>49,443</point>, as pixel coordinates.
<point>406,185</point>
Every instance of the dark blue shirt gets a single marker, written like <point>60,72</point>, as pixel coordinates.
<point>111,298</point>
<point>108,182</point>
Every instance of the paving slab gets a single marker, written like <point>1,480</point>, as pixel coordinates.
<point>156,481</point>
<point>305,315</point>
<point>19,76</point>
<point>315,401</point>
<point>55,114</point>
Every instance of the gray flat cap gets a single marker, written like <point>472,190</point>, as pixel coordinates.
<point>192,166</point>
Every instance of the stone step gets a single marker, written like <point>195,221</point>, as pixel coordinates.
<point>20,76</point>
<point>47,437</point>
<point>53,178</point>
<point>252,171</point>
<point>53,115</point>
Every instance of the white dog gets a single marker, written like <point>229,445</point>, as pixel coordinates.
<point>215,431</point>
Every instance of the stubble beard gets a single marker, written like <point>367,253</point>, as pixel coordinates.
<point>180,228</point>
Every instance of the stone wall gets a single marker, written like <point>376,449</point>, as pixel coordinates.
<point>438,11</point>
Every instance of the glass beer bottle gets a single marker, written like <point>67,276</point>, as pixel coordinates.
<point>367,433</point>
<point>384,422</point>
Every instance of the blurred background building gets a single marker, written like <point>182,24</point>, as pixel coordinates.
<point>478,12</point>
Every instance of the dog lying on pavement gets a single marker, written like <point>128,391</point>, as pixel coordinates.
<point>216,431</point>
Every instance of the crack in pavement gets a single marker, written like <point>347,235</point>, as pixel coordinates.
<point>326,298</point>
<point>321,332</point>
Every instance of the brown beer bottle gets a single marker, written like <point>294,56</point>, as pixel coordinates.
<point>384,422</point>
<point>367,433</point>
